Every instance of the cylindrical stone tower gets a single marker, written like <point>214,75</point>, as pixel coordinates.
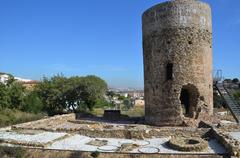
<point>177,44</point>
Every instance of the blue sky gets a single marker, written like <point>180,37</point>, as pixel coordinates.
<point>101,37</point>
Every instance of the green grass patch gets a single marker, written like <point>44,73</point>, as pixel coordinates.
<point>11,117</point>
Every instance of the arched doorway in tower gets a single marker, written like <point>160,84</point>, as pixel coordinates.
<point>189,99</point>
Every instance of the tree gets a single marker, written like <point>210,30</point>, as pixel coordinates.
<point>51,93</point>
<point>60,94</point>
<point>10,80</point>
<point>32,103</point>
<point>237,95</point>
<point>228,80</point>
<point>127,103</point>
<point>92,88</point>
<point>235,80</point>
<point>16,93</point>
<point>84,92</point>
<point>102,103</point>
<point>4,98</point>
<point>73,93</point>
<point>111,94</point>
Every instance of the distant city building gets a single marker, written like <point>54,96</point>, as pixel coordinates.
<point>4,78</point>
<point>139,103</point>
<point>22,79</point>
<point>29,84</point>
<point>136,94</point>
<point>132,94</point>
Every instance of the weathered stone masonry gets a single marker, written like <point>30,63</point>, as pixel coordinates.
<point>177,44</point>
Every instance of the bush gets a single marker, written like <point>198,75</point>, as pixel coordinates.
<point>237,95</point>
<point>95,154</point>
<point>218,101</point>
<point>12,152</point>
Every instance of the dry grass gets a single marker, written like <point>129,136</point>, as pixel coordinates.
<point>97,111</point>
<point>11,117</point>
<point>133,112</point>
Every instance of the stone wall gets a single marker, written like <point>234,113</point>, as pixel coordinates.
<point>177,39</point>
<point>41,153</point>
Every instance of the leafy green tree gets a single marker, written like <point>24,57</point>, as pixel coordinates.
<point>92,88</point>
<point>235,80</point>
<point>73,93</point>
<point>60,94</point>
<point>228,80</point>
<point>32,103</point>
<point>51,93</point>
<point>10,80</point>
<point>16,93</point>
<point>111,94</point>
<point>4,98</point>
<point>127,103</point>
<point>102,103</point>
<point>237,95</point>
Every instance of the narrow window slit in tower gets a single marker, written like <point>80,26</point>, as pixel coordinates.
<point>169,71</point>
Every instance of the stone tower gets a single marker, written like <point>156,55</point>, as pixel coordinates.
<point>177,45</point>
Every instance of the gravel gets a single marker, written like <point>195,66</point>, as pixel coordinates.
<point>235,135</point>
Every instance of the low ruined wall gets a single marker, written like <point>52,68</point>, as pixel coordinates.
<point>232,145</point>
<point>54,119</point>
<point>40,153</point>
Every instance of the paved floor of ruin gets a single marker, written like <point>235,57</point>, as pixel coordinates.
<point>79,143</point>
<point>46,134</point>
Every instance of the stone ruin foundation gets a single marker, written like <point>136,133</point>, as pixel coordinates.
<point>177,45</point>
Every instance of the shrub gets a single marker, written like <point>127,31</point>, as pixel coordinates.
<point>12,152</point>
<point>95,154</point>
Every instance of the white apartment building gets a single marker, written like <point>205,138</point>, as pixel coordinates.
<point>4,78</point>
